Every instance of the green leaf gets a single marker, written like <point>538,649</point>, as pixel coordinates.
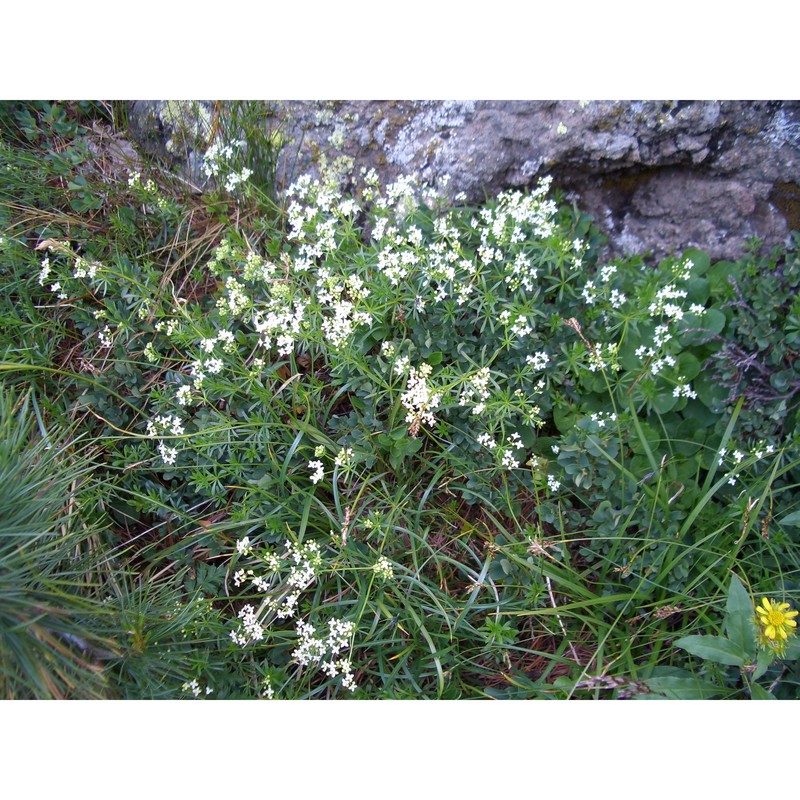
<point>679,684</point>
<point>765,658</point>
<point>435,358</point>
<point>718,276</point>
<point>699,258</point>
<point>760,693</point>
<point>702,328</point>
<point>713,648</point>
<point>739,624</point>
<point>710,391</point>
<point>792,650</point>
<point>791,519</point>
<point>664,401</point>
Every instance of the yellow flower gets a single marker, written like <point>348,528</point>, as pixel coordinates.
<point>776,623</point>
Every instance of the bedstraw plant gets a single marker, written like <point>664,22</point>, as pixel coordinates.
<point>374,442</point>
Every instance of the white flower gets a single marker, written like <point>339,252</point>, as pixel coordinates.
<point>105,336</point>
<point>383,568</point>
<point>508,460</point>
<point>250,629</point>
<point>168,454</point>
<point>487,441</point>
<point>319,471</point>
<point>243,545</point>
<point>538,360</point>
<point>184,395</point>
<point>419,399</point>
<point>344,457</point>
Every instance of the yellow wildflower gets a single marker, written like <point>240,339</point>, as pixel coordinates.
<point>776,623</point>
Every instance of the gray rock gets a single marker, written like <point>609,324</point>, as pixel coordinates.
<point>657,176</point>
<point>178,131</point>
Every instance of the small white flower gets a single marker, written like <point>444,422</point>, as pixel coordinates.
<point>184,395</point>
<point>344,457</point>
<point>243,546</point>
<point>319,471</point>
<point>383,568</point>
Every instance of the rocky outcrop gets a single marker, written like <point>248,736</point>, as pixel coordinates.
<point>656,176</point>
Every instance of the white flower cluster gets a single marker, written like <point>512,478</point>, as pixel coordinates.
<point>341,295</point>
<point>249,628</point>
<point>105,336</point>
<point>591,291</point>
<point>312,649</point>
<point>168,326</point>
<point>150,353</point>
<point>517,218</point>
<point>603,418</point>
<point>281,324</point>
<point>487,441</point>
<point>184,395</point>
<point>237,300</point>
<point>402,196</point>
<point>85,269</point>
<point>288,575</point>
<point>313,226</point>
<point>135,182</point>
<point>44,272</point>
<point>521,274</point>
<point>477,387</point>
<point>602,357</point>
<point>684,389</point>
<point>757,452</point>
<point>243,546</point>
<point>666,312</point>
<point>201,368</point>
<point>383,568</point>
<point>319,471</point>
<point>661,306</point>
<point>194,687</point>
<point>344,457</point>
<point>82,269</point>
<point>267,691</point>
<point>217,163</point>
<point>338,328</point>
<point>166,424</point>
<point>419,399</point>
<point>256,269</point>
<point>508,460</point>
<point>538,360</point>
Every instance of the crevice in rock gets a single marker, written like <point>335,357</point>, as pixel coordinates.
<point>786,198</point>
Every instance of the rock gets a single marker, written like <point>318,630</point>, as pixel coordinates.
<point>178,131</point>
<point>657,176</point>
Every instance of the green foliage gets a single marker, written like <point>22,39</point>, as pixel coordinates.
<point>49,646</point>
<point>361,441</point>
<point>737,649</point>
